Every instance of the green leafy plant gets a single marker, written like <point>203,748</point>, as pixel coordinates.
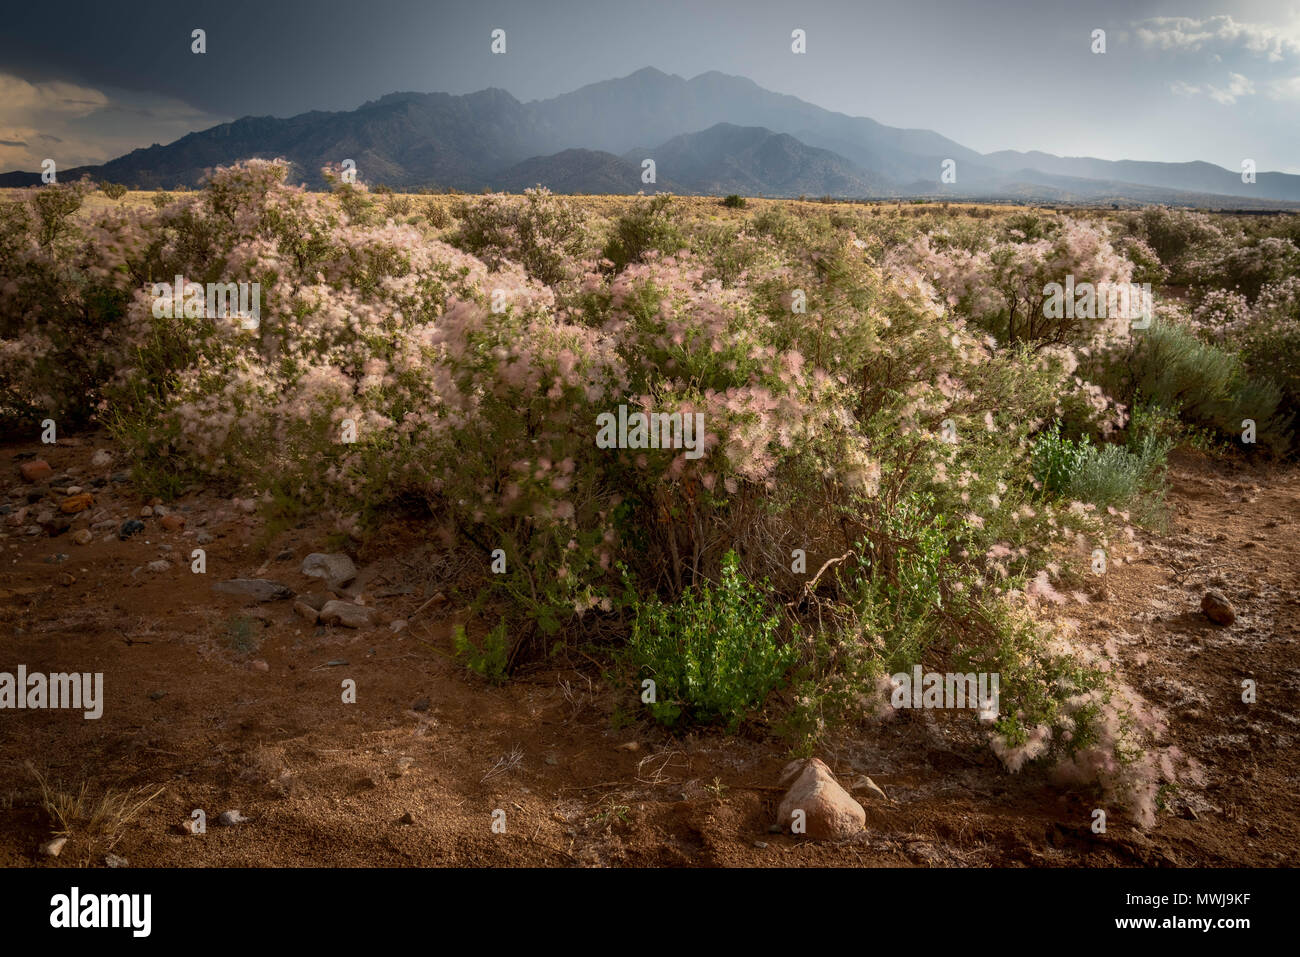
<point>715,655</point>
<point>489,660</point>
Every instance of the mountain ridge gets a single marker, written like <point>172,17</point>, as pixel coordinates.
<point>489,138</point>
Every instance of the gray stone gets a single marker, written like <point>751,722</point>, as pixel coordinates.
<point>346,614</point>
<point>336,568</point>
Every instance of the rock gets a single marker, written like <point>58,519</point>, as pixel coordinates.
<point>74,490</point>
<point>397,624</point>
<point>258,664</point>
<point>116,860</point>
<point>173,523</point>
<point>131,526</point>
<point>421,705</point>
<point>54,848</point>
<point>760,844</point>
<point>337,568</point>
<point>146,512</point>
<point>231,818</point>
<point>346,614</point>
<point>629,746</point>
<point>120,478</point>
<point>37,470</point>
<point>66,580</point>
<point>204,538</point>
<point>101,459</point>
<point>304,610</point>
<point>161,565</point>
<point>830,813</point>
<point>1218,609</point>
<point>408,818</point>
<point>256,589</point>
<point>83,536</point>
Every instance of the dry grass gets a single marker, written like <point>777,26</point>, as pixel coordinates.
<point>99,820</point>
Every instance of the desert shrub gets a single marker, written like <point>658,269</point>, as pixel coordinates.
<point>1204,384</point>
<point>436,214</point>
<point>1002,285</point>
<point>734,201</point>
<point>1270,341</point>
<point>113,190</point>
<point>651,225</point>
<point>1245,268</point>
<point>1111,475</point>
<point>1104,475</point>
<point>1147,267</point>
<point>57,306</point>
<point>398,205</point>
<point>882,420</point>
<point>1173,234</point>
<point>714,656</point>
<point>542,232</point>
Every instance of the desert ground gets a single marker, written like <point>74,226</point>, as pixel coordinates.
<point>232,706</point>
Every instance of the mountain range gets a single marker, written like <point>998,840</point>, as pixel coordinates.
<point>713,134</point>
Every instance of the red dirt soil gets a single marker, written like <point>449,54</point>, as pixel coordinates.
<point>412,772</point>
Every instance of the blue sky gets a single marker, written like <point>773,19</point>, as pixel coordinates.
<point>1218,81</point>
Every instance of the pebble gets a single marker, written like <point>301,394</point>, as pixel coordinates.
<point>54,848</point>
<point>76,503</point>
<point>231,818</point>
<point>1218,609</point>
<point>172,522</point>
<point>303,610</point>
<point>116,860</point>
<point>161,565</point>
<point>130,527</point>
<point>146,512</point>
<point>101,459</point>
<point>37,470</point>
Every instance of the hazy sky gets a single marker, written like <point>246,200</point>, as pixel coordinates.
<point>1180,79</point>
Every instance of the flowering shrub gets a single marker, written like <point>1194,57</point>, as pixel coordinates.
<point>542,232</point>
<point>873,390</point>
